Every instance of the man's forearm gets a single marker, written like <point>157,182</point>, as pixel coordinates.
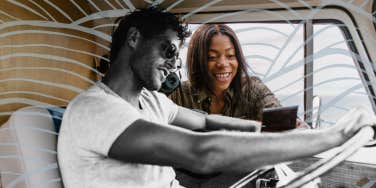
<point>241,152</point>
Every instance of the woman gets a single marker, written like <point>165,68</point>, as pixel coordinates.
<point>218,79</point>
<point>219,84</point>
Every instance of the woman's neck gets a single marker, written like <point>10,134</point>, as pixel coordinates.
<point>218,94</point>
<point>217,102</point>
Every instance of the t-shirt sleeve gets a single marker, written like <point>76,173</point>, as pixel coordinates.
<point>170,108</point>
<point>97,122</point>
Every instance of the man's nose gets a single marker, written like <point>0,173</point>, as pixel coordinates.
<point>171,63</point>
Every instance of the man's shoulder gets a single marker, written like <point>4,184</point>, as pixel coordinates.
<point>86,97</point>
<point>153,96</point>
<point>94,98</point>
<point>158,102</point>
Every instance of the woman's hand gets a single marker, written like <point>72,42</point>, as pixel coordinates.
<point>300,124</point>
<point>219,122</point>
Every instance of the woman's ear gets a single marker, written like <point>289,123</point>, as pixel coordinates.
<point>133,36</point>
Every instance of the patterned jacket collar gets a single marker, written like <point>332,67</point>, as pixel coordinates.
<point>204,94</point>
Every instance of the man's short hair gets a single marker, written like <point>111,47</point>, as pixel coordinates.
<point>150,22</point>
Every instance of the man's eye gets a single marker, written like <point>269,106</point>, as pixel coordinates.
<point>171,51</point>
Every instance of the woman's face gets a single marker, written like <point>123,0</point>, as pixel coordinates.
<point>222,62</point>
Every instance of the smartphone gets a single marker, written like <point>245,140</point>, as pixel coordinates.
<point>279,119</point>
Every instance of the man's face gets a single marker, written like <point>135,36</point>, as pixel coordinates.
<point>154,59</point>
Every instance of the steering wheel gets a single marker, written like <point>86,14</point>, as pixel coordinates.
<point>365,137</point>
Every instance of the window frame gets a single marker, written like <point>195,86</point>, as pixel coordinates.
<point>374,13</point>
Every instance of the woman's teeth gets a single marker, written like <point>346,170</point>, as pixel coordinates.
<point>222,76</point>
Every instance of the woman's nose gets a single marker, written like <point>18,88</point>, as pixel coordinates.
<point>222,62</point>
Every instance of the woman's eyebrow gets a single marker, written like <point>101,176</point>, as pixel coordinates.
<point>227,49</point>
<point>230,48</point>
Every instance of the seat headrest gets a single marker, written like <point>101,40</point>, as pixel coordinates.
<point>57,116</point>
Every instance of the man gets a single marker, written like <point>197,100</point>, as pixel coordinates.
<point>122,133</point>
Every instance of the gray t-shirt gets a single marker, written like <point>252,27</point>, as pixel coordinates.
<point>92,122</point>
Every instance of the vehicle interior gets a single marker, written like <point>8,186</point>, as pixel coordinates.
<point>317,54</point>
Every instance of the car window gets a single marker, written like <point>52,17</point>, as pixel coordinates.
<point>336,77</point>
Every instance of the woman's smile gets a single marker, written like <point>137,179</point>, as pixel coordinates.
<point>222,77</point>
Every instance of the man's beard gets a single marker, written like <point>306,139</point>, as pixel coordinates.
<point>145,80</point>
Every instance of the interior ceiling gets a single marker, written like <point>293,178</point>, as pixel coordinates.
<point>193,4</point>
<point>226,5</point>
<point>185,6</point>
<point>76,9</point>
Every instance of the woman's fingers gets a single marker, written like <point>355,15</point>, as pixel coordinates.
<point>301,124</point>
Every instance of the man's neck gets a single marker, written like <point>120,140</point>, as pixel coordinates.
<point>123,83</point>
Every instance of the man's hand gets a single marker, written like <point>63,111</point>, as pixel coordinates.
<point>354,120</point>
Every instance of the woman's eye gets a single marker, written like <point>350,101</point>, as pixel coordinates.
<point>212,57</point>
<point>231,56</point>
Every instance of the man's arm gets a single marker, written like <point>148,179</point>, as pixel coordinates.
<point>150,143</point>
<point>193,120</point>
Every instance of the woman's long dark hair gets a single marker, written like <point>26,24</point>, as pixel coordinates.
<point>197,59</point>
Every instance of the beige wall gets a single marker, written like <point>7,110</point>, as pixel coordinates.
<point>32,65</point>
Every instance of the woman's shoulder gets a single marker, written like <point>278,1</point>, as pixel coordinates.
<point>184,89</point>
<point>253,81</point>
<point>186,84</point>
<point>256,85</point>
<point>183,95</point>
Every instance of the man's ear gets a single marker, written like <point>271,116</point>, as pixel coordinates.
<point>133,36</point>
